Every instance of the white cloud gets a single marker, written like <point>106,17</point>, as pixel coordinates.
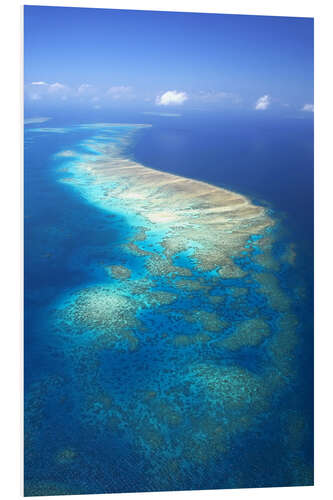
<point>42,90</point>
<point>56,87</point>
<point>171,97</point>
<point>84,87</point>
<point>263,102</point>
<point>308,107</point>
<point>120,91</point>
<point>52,87</point>
<point>35,97</point>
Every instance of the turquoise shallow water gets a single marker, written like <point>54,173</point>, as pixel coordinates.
<point>143,374</point>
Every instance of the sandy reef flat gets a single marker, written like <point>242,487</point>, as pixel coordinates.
<point>215,222</point>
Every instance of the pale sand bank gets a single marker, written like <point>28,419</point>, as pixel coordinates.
<point>41,119</point>
<point>215,222</point>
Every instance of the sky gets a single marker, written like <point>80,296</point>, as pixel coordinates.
<point>164,62</point>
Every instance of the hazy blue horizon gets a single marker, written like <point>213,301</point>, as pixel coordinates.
<point>94,58</point>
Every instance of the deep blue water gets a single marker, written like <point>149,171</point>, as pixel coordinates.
<point>269,159</point>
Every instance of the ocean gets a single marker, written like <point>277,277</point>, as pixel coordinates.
<point>145,368</point>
